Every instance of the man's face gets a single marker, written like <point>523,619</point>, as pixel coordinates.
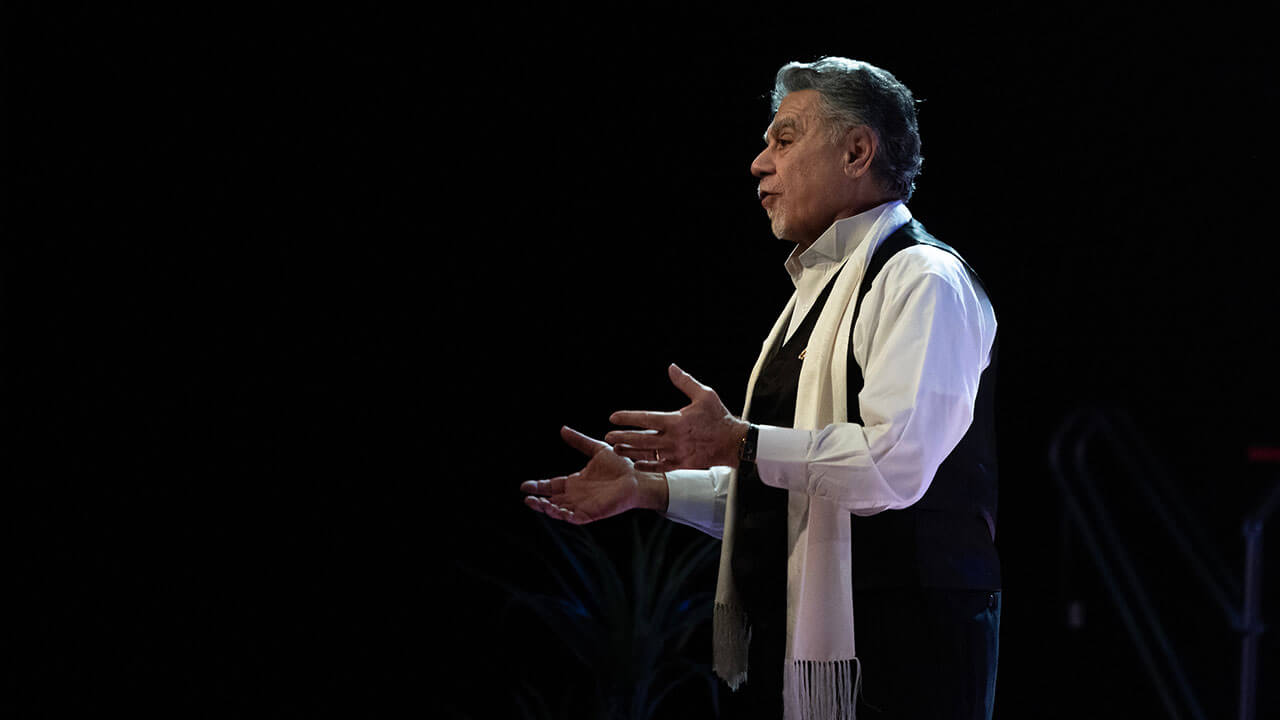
<point>801,171</point>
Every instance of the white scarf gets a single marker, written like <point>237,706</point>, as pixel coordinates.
<point>821,673</point>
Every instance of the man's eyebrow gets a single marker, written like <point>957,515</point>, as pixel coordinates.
<point>779,125</point>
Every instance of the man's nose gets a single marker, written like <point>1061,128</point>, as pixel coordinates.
<point>763,164</point>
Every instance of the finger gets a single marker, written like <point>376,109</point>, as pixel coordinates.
<point>635,418</point>
<point>566,514</point>
<point>650,465</point>
<point>552,486</point>
<point>538,504</point>
<point>550,509</point>
<point>638,439</point>
<point>686,383</point>
<point>639,455</point>
<point>557,511</point>
<point>586,445</point>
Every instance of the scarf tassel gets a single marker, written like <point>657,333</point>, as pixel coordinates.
<point>821,690</point>
<point>732,635</point>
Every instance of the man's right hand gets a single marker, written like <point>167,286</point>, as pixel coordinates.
<point>607,486</point>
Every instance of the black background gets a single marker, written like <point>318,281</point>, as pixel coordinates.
<point>295,298</point>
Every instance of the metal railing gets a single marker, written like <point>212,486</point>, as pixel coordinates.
<point>1069,453</point>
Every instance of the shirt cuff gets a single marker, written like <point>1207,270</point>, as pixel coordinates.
<point>782,457</point>
<point>696,498</point>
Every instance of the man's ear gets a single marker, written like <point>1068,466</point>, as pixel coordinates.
<point>860,146</point>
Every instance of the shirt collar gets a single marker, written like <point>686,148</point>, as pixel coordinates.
<point>840,240</point>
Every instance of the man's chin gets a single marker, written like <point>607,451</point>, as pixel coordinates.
<point>785,235</point>
<point>779,230</point>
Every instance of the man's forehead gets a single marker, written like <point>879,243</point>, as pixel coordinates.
<point>794,110</point>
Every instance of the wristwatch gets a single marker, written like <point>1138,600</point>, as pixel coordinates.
<point>747,446</point>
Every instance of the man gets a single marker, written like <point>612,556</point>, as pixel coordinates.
<point>855,496</point>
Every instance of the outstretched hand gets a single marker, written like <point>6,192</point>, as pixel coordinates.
<point>698,436</point>
<point>609,484</point>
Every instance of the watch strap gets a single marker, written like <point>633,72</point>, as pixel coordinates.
<point>749,444</point>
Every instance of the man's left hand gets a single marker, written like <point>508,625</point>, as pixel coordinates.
<point>701,434</point>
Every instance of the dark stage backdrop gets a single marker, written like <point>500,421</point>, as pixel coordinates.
<point>294,299</point>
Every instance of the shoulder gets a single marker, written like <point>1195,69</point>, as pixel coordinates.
<point>924,265</point>
<point>927,276</point>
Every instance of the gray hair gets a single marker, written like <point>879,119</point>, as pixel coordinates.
<point>855,93</point>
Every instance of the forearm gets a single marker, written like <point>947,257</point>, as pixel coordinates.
<point>864,470</point>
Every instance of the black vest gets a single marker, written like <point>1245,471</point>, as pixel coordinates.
<point>946,540</point>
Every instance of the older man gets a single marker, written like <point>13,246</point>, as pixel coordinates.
<point>856,494</point>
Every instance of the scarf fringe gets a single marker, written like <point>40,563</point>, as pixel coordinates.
<point>731,635</point>
<point>821,690</point>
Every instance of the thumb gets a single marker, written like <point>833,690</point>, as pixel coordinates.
<point>586,445</point>
<point>685,382</point>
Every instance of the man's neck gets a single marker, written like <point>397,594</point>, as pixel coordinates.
<point>856,207</point>
<point>805,246</point>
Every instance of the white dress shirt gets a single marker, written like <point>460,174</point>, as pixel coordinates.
<point>922,339</point>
